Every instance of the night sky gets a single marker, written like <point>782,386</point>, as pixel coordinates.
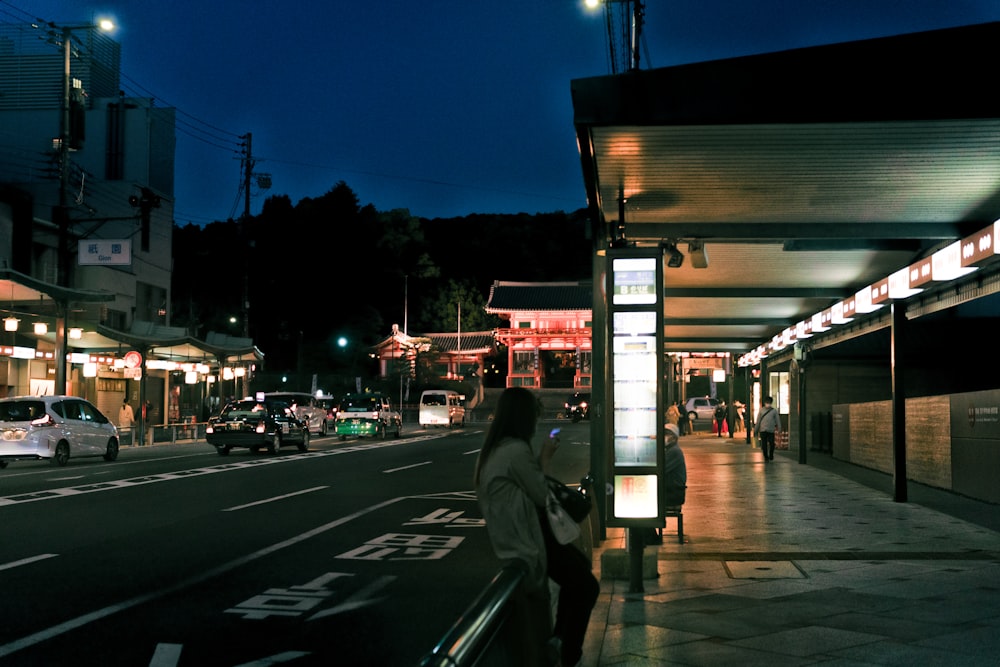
<point>442,107</point>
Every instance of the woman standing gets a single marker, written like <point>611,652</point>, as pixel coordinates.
<point>512,490</point>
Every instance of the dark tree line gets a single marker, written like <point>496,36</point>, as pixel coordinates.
<point>328,267</point>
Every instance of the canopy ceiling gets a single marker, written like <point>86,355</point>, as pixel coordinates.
<point>805,174</point>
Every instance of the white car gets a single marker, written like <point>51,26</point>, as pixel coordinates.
<point>54,428</point>
<point>701,408</point>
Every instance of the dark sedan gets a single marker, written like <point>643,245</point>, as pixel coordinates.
<point>256,424</point>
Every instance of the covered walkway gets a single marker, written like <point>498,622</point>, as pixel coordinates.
<point>789,564</point>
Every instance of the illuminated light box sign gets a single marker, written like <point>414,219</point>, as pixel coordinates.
<point>981,246</point>
<point>633,281</point>
<point>636,497</point>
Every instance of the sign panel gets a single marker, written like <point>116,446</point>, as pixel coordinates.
<point>105,252</point>
<point>634,281</point>
<point>635,337</point>
<point>636,497</point>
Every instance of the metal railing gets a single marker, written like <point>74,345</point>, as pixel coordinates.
<point>162,433</point>
<point>480,636</point>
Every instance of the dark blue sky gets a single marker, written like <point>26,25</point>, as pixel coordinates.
<point>444,107</point>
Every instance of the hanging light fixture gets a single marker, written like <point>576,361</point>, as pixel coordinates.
<point>41,328</point>
<point>76,333</point>
<point>10,323</point>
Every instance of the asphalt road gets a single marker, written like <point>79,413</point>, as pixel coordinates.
<point>357,552</point>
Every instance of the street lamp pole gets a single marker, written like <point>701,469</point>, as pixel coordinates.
<point>61,214</point>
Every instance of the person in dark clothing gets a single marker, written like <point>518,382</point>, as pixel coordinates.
<point>721,417</point>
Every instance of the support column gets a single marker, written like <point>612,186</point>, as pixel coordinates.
<point>801,409</point>
<point>898,346</point>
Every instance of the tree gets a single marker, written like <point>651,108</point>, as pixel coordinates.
<point>440,311</point>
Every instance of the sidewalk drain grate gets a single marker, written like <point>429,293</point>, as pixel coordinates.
<point>763,569</point>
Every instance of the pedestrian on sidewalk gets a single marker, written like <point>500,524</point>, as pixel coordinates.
<point>768,424</point>
<point>126,422</point>
<point>674,414</point>
<point>721,417</point>
<point>512,491</point>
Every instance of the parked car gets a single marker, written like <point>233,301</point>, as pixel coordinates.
<point>306,406</point>
<point>577,406</point>
<point>701,408</point>
<point>268,424</point>
<point>54,428</point>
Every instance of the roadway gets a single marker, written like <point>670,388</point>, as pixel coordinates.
<point>354,552</point>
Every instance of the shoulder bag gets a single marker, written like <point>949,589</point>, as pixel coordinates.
<point>576,503</point>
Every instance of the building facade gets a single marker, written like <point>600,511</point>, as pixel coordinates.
<point>86,229</point>
<point>548,337</point>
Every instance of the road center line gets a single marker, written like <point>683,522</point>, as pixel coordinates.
<point>271,500</point>
<point>25,561</point>
<point>415,465</point>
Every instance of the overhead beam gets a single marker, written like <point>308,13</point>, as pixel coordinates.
<point>722,322</point>
<point>800,232</point>
<point>755,292</point>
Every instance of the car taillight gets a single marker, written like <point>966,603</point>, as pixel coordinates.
<point>209,429</point>
<point>43,421</point>
<point>262,427</point>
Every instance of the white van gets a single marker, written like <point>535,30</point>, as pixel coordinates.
<point>442,407</point>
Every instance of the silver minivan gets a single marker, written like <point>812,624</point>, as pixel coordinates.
<point>307,408</point>
<point>54,428</point>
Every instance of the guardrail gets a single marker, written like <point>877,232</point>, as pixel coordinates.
<point>481,635</point>
<point>162,433</point>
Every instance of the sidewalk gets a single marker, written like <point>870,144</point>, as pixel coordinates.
<point>792,564</point>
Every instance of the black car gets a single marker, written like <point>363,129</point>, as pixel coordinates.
<point>255,425</point>
<point>578,406</point>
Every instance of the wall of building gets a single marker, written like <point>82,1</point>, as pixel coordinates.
<point>952,441</point>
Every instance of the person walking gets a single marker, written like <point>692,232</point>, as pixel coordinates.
<point>721,416</point>
<point>768,424</point>
<point>685,420</point>
<point>512,491</point>
<point>738,420</point>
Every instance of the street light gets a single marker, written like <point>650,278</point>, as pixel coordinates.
<point>634,31</point>
<point>62,211</point>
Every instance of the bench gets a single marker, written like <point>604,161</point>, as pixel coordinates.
<point>677,513</point>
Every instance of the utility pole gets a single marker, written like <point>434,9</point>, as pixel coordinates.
<point>248,164</point>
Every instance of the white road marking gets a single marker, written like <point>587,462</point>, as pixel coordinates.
<point>52,494</point>
<point>98,614</point>
<point>362,598</point>
<point>271,500</point>
<point>166,655</point>
<point>287,656</point>
<point>415,465</point>
<point>26,561</point>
